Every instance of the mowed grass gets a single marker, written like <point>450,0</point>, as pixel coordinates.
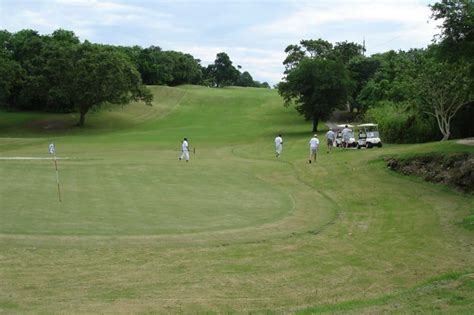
<point>233,230</point>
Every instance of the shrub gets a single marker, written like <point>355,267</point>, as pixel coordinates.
<point>399,124</point>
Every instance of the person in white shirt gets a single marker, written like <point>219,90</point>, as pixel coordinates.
<point>346,135</point>
<point>313,148</point>
<point>185,150</point>
<point>330,137</point>
<point>278,145</point>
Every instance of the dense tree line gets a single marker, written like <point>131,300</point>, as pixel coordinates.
<point>223,73</point>
<point>59,73</point>
<point>416,95</point>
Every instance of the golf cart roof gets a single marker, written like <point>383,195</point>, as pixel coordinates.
<point>343,126</point>
<point>368,125</point>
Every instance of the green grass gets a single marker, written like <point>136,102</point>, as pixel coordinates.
<point>233,230</point>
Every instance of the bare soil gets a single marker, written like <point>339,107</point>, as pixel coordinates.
<point>455,170</point>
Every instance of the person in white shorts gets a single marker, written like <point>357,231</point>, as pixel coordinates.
<point>313,148</point>
<point>185,150</point>
<point>278,145</point>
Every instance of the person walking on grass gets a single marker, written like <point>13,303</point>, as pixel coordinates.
<point>330,137</point>
<point>346,135</point>
<point>184,150</point>
<point>278,145</point>
<point>313,148</point>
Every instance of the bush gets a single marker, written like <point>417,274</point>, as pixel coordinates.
<point>462,125</point>
<point>399,124</point>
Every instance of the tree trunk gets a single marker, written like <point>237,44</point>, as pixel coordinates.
<point>315,123</point>
<point>82,117</point>
<point>446,132</point>
<point>444,125</point>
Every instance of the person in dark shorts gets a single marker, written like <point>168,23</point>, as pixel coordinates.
<point>330,137</point>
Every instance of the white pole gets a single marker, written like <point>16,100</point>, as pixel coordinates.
<point>57,177</point>
<point>52,150</point>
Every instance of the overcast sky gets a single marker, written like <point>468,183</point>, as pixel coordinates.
<point>253,33</point>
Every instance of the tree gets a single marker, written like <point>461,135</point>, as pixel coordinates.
<point>103,75</point>
<point>222,71</point>
<point>65,36</point>
<point>11,73</point>
<point>318,48</point>
<point>444,89</point>
<point>317,80</point>
<point>457,29</point>
<point>456,41</point>
<point>393,81</point>
<point>183,68</point>
<point>57,71</point>
<point>26,48</point>
<point>309,49</point>
<point>148,62</point>
<point>259,84</point>
<point>295,54</point>
<point>10,78</point>
<point>168,67</point>
<point>245,79</point>
<point>361,70</point>
<point>347,50</point>
<point>316,87</point>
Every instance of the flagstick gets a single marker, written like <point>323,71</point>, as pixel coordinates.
<point>57,176</point>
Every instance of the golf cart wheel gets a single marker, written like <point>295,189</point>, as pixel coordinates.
<point>379,144</point>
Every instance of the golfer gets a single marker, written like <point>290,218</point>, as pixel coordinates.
<point>313,148</point>
<point>185,150</point>
<point>278,145</point>
<point>330,136</point>
<point>346,135</point>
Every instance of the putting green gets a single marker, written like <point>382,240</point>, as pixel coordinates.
<point>136,197</point>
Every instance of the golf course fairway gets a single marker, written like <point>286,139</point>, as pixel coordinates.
<point>235,230</point>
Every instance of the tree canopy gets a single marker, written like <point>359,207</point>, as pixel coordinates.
<point>456,39</point>
<point>167,67</point>
<point>317,80</point>
<point>316,87</point>
<point>103,75</point>
<point>223,73</point>
<point>58,73</point>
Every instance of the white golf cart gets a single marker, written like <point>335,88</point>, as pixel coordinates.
<point>368,136</point>
<point>352,141</point>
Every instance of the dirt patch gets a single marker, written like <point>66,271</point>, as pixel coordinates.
<point>456,170</point>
